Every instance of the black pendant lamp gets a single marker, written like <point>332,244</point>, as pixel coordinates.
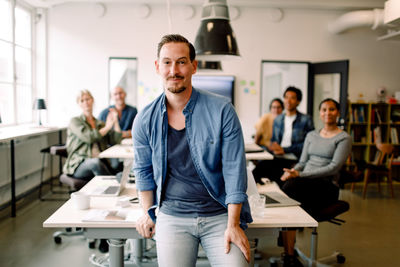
<point>215,39</point>
<point>209,65</point>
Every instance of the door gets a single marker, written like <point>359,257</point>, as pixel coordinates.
<point>328,79</point>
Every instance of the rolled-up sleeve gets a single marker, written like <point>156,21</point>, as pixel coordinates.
<point>142,163</point>
<point>233,158</point>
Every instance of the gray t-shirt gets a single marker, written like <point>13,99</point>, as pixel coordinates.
<point>322,157</point>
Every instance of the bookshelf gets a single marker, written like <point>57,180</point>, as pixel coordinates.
<point>368,123</point>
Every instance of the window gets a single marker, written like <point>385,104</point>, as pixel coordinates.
<point>15,63</point>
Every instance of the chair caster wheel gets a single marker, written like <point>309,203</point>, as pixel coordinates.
<point>57,240</point>
<point>340,258</point>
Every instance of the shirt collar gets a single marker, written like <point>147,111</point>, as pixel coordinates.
<point>189,105</point>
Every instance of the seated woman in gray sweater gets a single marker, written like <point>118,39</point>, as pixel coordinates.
<point>312,181</point>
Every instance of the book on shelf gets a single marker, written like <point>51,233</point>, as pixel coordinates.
<point>373,116</point>
<point>395,117</point>
<point>351,119</point>
<point>394,135</point>
<point>377,135</point>
<point>378,116</point>
<point>361,115</point>
<point>355,115</point>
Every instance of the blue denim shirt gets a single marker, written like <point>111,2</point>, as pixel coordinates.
<point>127,116</point>
<point>301,126</point>
<point>216,145</point>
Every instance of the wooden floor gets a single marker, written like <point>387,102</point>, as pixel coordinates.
<point>370,236</point>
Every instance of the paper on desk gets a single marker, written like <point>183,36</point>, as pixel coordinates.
<point>251,184</point>
<point>117,215</point>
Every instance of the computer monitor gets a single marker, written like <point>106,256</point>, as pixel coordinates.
<point>221,85</point>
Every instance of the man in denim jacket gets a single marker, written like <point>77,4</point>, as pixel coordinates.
<point>288,135</point>
<point>189,163</point>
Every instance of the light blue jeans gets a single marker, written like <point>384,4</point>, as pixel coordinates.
<point>178,240</point>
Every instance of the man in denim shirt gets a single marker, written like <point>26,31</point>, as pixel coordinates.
<point>189,162</point>
<point>289,132</point>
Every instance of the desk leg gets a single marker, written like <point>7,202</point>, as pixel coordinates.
<point>138,249</point>
<point>314,246</point>
<point>60,165</point>
<point>116,252</point>
<point>13,198</point>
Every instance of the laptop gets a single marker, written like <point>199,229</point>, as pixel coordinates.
<point>288,156</point>
<point>275,199</point>
<point>252,148</point>
<point>113,190</point>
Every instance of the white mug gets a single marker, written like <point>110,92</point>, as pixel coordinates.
<point>81,200</point>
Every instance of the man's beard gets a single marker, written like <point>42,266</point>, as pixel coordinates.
<point>174,89</point>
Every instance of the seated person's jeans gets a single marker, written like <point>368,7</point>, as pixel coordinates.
<point>178,239</point>
<point>91,167</point>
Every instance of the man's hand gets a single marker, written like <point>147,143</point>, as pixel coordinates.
<point>236,235</point>
<point>276,148</point>
<point>145,226</point>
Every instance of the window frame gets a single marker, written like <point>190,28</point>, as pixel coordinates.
<point>14,4</point>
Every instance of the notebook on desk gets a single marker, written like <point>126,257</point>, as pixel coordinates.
<point>275,199</point>
<point>113,190</point>
<point>114,215</point>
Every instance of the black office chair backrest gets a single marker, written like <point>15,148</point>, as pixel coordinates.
<point>60,150</point>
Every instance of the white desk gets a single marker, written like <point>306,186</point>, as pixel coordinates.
<point>118,232</point>
<point>255,152</point>
<point>118,151</point>
<point>10,134</point>
<point>265,155</point>
<point>125,151</point>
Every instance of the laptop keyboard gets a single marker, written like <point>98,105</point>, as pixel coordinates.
<point>111,190</point>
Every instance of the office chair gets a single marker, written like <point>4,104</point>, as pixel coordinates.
<point>50,150</point>
<point>74,184</point>
<point>327,214</point>
<point>381,167</point>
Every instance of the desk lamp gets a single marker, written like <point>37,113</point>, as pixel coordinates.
<point>215,39</point>
<point>38,105</point>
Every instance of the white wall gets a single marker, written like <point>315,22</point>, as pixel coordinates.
<point>80,43</point>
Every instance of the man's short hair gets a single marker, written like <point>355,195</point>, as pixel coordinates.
<point>297,91</point>
<point>176,38</point>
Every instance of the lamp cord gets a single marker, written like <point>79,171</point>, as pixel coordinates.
<point>169,16</point>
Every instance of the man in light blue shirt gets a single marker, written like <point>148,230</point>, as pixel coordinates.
<point>189,163</point>
<point>126,113</point>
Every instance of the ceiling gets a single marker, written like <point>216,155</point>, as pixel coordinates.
<point>308,4</point>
